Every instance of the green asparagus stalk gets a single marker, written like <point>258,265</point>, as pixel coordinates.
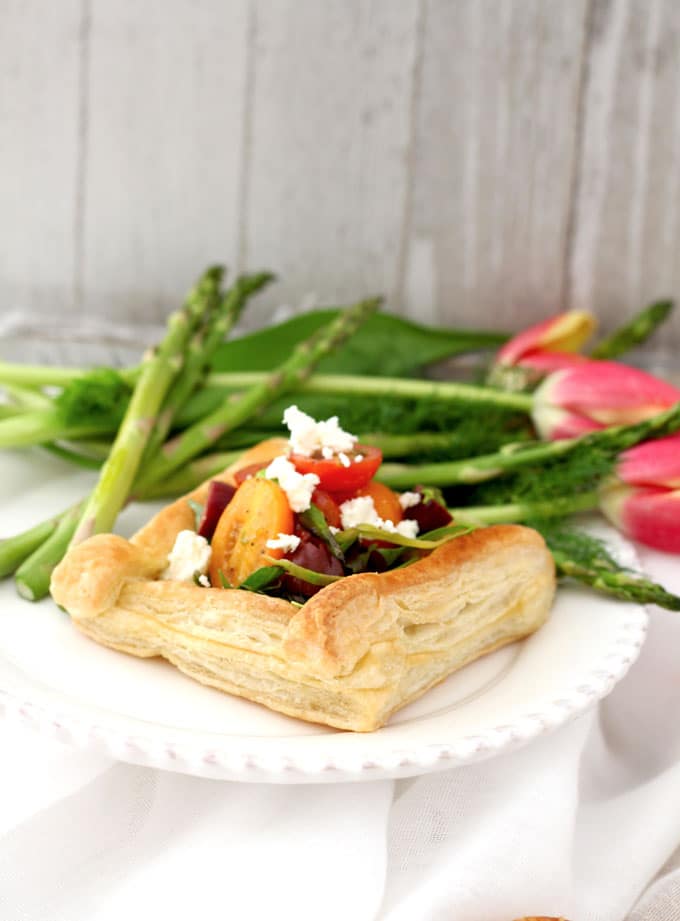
<point>233,412</point>
<point>371,387</point>
<point>517,512</point>
<point>44,425</point>
<point>623,585</point>
<point>611,441</point>
<point>633,333</point>
<point>33,576</point>
<point>200,353</point>
<point>14,550</point>
<point>159,369</point>
<point>190,476</point>
<point>27,397</point>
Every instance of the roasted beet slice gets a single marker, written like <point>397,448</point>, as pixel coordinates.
<point>314,555</point>
<point>429,514</point>
<point>219,496</point>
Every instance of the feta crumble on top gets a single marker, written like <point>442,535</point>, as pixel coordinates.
<point>362,511</point>
<point>298,487</point>
<point>190,555</point>
<point>309,437</point>
<point>286,542</point>
<point>409,499</point>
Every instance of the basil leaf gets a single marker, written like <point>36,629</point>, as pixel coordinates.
<point>315,521</point>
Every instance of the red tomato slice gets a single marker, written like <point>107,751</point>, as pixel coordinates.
<point>334,476</point>
<point>327,504</point>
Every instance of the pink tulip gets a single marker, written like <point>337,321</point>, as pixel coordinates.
<point>596,394</point>
<point>652,463</point>
<point>544,362</point>
<point>648,514</point>
<point>565,332</point>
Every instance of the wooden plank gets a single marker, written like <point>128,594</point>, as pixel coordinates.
<point>495,149</point>
<point>627,219</point>
<point>39,152</point>
<point>165,128</point>
<point>331,120</point>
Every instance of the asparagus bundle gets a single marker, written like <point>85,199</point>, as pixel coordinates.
<point>220,412</point>
<point>118,477</point>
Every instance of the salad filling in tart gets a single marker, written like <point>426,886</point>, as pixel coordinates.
<point>297,580</point>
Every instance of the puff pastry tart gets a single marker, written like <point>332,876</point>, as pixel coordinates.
<point>355,652</point>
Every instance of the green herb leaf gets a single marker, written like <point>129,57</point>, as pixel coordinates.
<point>262,578</point>
<point>223,579</point>
<point>100,397</point>
<point>419,543</point>
<point>315,521</point>
<point>300,572</point>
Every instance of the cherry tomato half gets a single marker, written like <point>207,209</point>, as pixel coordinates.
<point>334,476</point>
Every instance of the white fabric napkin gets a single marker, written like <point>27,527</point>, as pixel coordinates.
<point>578,823</point>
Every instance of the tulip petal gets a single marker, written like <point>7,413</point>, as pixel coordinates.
<point>554,424</point>
<point>650,515</point>
<point>546,362</point>
<point>565,332</point>
<point>609,392</point>
<point>653,463</point>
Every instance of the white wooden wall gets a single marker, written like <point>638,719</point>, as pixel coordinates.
<point>481,162</point>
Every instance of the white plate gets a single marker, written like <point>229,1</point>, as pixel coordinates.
<point>146,712</point>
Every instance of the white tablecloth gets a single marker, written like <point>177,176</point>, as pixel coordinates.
<point>578,823</point>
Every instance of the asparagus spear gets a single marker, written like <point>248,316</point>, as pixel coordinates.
<point>516,512</point>
<point>200,354</point>
<point>624,585</point>
<point>611,441</point>
<point>363,386</point>
<point>14,550</point>
<point>159,369</point>
<point>32,578</point>
<point>290,375</point>
<point>634,332</point>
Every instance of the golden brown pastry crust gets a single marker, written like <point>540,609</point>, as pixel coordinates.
<point>354,653</point>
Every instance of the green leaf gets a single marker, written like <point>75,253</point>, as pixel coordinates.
<point>261,578</point>
<point>419,543</point>
<point>301,572</point>
<point>315,521</point>
<point>223,579</point>
<point>385,345</point>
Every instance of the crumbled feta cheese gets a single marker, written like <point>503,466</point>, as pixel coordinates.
<point>204,581</point>
<point>298,487</point>
<point>358,458</point>
<point>409,499</point>
<point>326,452</point>
<point>190,554</point>
<point>286,542</point>
<point>344,460</point>
<point>362,511</point>
<point>307,436</point>
<point>333,529</point>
